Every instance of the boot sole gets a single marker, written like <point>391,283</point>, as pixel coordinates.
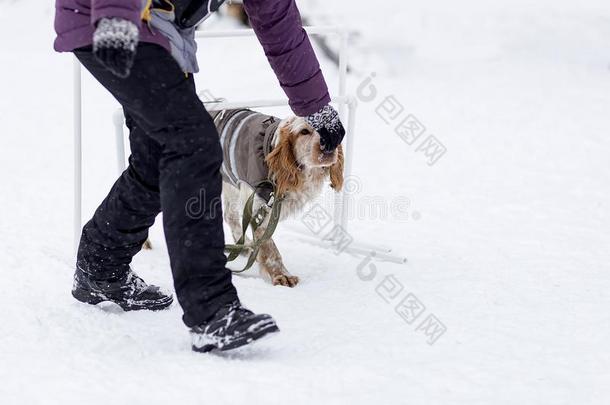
<point>239,342</point>
<point>94,299</point>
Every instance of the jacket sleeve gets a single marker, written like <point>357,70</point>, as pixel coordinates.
<point>126,9</point>
<point>278,26</point>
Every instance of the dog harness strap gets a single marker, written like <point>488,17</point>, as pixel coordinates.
<point>269,136</point>
<point>255,221</point>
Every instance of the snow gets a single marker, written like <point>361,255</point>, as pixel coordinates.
<point>507,233</point>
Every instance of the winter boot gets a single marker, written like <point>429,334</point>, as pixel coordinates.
<point>231,326</point>
<point>128,291</point>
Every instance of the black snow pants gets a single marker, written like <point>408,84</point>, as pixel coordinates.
<point>174,167</point>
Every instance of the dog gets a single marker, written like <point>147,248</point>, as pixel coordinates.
<point>287,152</point>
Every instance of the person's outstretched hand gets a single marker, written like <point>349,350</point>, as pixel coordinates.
<point>115,41</point>
<point>329,126</point>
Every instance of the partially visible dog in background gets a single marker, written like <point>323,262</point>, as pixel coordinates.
<point>287,152</point>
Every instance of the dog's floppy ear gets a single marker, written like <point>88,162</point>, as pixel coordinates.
<point>283,166</point>
<point>336,171</point>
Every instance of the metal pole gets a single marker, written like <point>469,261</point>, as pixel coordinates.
<point>340,199</point>
<point>349,159</point>
<point>356,249</point>
<point>261,103</point>
<point>120,141</point>
<point>343,71</point>
<point>78,153</point>
<point>250,33</point>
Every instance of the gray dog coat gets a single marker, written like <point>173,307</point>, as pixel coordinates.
<point>246,138</point>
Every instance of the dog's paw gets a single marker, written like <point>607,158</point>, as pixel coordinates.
<point>285,280</point>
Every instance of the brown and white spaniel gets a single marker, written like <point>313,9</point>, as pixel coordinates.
<point>299,169</point>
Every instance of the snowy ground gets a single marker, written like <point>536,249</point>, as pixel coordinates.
<point>506,235</point>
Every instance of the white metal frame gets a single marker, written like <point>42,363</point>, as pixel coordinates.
<point>347,110</point>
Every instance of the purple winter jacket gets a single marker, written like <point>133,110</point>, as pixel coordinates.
<point>277,24</point>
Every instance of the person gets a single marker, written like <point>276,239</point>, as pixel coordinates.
<point>141,54</point>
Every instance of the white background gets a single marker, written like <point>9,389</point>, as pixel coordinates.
<point>510,251</point>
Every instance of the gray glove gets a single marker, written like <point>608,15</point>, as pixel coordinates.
<point>114,45</point>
